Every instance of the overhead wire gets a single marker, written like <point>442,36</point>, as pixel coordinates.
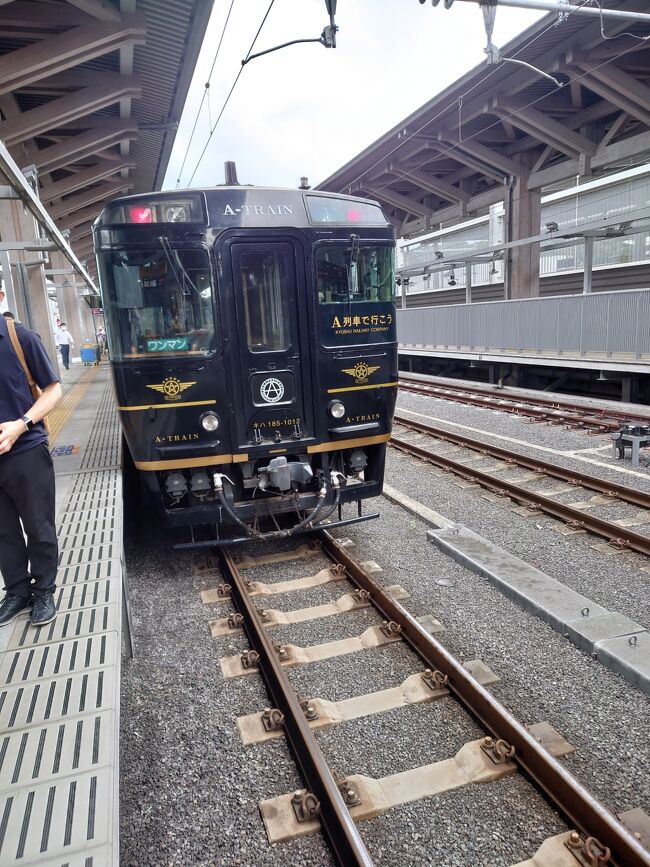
<point>206,92</point>
<point>454,146</point>
<point>451,105</point>
<point>230,92</point>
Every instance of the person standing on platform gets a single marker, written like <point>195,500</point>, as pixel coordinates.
<point>27,504</point>
<point>65,341</point>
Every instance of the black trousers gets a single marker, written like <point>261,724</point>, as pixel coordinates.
<point>65,355</point>
<point>27,495</point>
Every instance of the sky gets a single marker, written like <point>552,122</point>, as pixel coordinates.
<point>307,110</point>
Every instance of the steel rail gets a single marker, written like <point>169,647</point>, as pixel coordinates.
<point>610,489</point>
<point>556,415</point>
<point>598,413</point>
<point>342,834</point>
<point>583,810</point>
<point>622,536</point>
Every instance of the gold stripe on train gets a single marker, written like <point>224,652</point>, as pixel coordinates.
<point>361,387</point>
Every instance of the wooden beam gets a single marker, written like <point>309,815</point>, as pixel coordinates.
<point>78,45</point>
<point>32,15</point>
<point>98,172</point>
<point>101,9</point>
<point>107,192</point>
<point>545,128</point>
<point>397,200</point>
<point>67,109</point>
<point>77,147</point>
<point>100,193</point>
<point>430,183</point>
<point>635,147</point>
<point>490,158</point>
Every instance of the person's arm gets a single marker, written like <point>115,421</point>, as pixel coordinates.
<point>10,431</point>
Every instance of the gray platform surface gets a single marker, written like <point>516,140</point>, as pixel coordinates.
<point>60,685</point>
<point>618,642</point>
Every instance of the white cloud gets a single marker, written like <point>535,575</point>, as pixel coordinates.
<point>307,110</point>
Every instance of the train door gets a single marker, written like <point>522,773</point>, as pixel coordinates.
<point>273,346</point>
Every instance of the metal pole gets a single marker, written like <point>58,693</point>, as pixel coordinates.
<point>564,8</point>
<point>7,283</point>
<point>588,264</point>
<point>18,181</point>
<point>468,282</point>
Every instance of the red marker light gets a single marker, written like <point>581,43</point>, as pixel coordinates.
<point>354,216</point>
<point>141,215</point>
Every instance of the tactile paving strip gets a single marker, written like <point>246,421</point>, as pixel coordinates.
<point>59,685</point>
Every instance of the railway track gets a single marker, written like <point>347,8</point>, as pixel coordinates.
<point>334,804</point>
<point>540,409</point>
<point>580,519</point>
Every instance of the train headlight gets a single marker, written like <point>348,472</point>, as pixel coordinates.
<point>210,421</point>
<point>337,409</point>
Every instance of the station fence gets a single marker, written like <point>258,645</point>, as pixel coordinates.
<point>603,325</point>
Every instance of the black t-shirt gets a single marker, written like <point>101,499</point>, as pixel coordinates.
<point>15,397</point>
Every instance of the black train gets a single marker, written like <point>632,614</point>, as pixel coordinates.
<point>253,351</point>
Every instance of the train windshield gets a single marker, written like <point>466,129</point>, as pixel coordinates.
<point>160,303</point>
<point>352,275</point>
<point>355,283</point>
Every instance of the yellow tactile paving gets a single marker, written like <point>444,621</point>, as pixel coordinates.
<point>71,399</point>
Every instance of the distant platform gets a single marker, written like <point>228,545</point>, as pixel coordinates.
<point>60,684</point>
<point>606,331</point>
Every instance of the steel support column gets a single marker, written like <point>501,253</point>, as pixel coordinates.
<point>588,264</point>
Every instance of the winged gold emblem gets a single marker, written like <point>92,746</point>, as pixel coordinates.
<point>361,371</point>
<point>171,387</point>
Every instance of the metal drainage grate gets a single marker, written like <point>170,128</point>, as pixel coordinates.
<point>45,701</point>
<point>74,624</point>
<point>58,818</point>
<point>50,660</point>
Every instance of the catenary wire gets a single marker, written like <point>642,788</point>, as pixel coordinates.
<point>451,105</point>
<point>234,84</point>
<point>454,146</point>
<point>205,93</point>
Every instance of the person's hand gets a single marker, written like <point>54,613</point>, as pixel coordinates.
<point>9,433</point>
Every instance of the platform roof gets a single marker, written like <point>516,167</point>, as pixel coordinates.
<point>451,158</point>
<point>91,93</point>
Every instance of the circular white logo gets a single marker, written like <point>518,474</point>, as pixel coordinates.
<point>272,390</point>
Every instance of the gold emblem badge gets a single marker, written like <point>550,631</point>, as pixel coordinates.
<point>361,371</point>
<point>171,387</point>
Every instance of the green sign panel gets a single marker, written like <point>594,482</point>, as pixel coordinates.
<point>168,344</point>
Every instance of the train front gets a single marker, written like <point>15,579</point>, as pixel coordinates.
<point>254,357</point>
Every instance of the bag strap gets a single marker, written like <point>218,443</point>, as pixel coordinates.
<point>13,336</point>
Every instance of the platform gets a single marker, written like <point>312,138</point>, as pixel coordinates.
<point>60,685</point>
<point>602,331</point>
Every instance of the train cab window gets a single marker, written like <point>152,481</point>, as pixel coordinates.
<point>348,276</point>
<point>263,278</point>
<point>160,303</point>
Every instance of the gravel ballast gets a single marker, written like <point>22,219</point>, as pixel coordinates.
<point>190,791</point>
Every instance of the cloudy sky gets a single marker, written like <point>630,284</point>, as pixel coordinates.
<point>307,110</point>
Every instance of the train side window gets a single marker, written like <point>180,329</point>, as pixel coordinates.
<point>264,286</point>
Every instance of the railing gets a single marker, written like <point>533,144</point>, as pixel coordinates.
<point>601,325</point>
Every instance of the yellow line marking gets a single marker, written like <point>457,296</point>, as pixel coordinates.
<point>71,400</point>
<point>167,405</point>
<point>361,387</point>
<point>188,463</point>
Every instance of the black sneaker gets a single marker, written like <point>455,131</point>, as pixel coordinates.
<point>12,607</point>
<point>44,610</point>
